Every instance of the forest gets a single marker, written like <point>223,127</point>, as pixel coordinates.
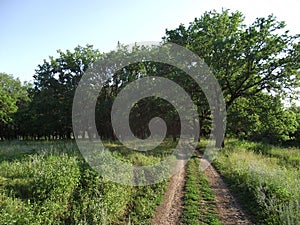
<point>257,68</point>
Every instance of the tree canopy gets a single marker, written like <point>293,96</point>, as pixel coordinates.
<point>245,59</point>
<point>256,65</point>
<point>12,94</point>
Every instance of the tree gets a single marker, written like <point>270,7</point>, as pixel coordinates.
<point>246,60</point>
<point>261,118</point>
<point>11,94</point>
<point>295,134</point>
<point>55,84</point>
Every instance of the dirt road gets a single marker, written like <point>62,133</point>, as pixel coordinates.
<point>228,209</point>
<point>169,212</point>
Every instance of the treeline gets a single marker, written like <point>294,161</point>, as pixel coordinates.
<point>257,66</point>
<point>44,110</point>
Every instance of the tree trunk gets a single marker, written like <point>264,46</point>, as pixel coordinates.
<point>219,125</point>
<point>174,138</point>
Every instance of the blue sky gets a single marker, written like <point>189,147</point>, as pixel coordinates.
<point>32,30</point>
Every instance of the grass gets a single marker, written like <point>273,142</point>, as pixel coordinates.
<point>50,183</point>
<point>267,186</point>
<point>288,156</point>
<point>199,205</point>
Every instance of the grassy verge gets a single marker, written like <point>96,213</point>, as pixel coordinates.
<point>268,188</point>
<point>199,206</point>
<point>50,183</point>
<point>287,156</point>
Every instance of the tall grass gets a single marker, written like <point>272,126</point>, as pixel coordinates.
<point>50,183</point>
<point>287,155</point>
<point>268,187</point>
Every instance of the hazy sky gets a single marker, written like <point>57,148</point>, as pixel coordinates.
<point>32,30</point>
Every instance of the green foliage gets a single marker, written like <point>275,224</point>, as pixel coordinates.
<point>50,183</point>
<point>246,60</point>
<point>287,157</point>
<point>12,95</point>
<point>250,62</point>
<point>199,205</point>
<point>11,92</point>
<point>296,134</point>
<point>268,188</point>
<point>261,118</point>
<point>144,202</point>
<point>55,83</point>
<point>43,184</point>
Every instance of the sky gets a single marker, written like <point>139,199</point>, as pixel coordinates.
<point>33,30</point>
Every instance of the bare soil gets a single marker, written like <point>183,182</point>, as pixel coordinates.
<point>170,211</point>
<point>228,208</point>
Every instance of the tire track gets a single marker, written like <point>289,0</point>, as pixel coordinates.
<point>228,209</point>
<point>170,211</point>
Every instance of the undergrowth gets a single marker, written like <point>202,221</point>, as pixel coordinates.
<point>268,187</point>
<point>50,183</point>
